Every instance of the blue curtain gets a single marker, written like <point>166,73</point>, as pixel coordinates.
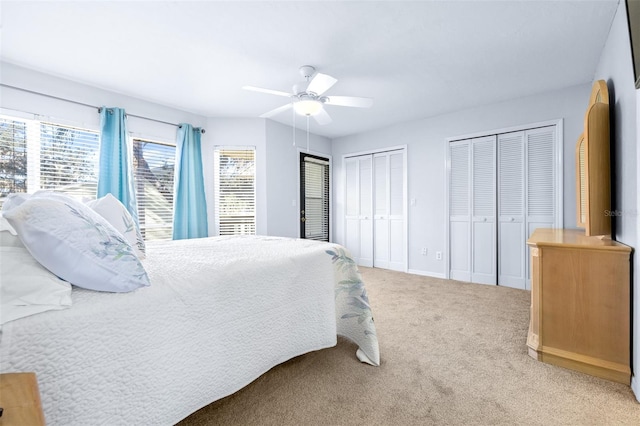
<point>115,174</point>
<point>189,203</point>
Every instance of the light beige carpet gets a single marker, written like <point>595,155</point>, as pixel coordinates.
<point>452,353</point>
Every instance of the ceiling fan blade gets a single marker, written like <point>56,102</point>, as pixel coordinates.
<point>276,111</point>
<point>269,91</point>
<point>350,101</point>
<point>322,117</point>
<point>320,83</point>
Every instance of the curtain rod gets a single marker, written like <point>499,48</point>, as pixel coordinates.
<point>87,105</point>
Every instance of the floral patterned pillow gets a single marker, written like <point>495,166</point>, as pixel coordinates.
<point>76,243</point>
<point>117,214</point>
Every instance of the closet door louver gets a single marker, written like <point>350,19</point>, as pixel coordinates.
<point>511,231</point>
<point>541,193</point>
<point>483,233</point>
<point>460,210</point>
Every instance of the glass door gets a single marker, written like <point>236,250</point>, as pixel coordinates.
<point>314,197</point>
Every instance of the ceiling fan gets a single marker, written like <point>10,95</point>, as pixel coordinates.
<point>306,97</point>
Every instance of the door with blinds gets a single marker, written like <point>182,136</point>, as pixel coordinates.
<point>314,197</point>
<point>375,213</point>
<point>501,188</point>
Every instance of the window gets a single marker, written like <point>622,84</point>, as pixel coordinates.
<point>13,157</point>
<point>235,195</point>
<point>153,165</point>
<point>38,155</point>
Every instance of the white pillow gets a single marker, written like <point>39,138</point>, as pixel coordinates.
<point>76,243</point>
<point>26,287</point>
<point>117,214</point>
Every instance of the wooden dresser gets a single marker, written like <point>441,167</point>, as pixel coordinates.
<point>580,306</point>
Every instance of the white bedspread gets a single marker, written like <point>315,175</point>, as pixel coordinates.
<point>218,314</point>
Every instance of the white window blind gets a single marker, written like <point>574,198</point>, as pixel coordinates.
<point>154,165</point>
<point>40,155</point>
<point>235,194</point>
<point>315,174</point>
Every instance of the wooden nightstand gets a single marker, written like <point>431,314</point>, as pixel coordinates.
<point>20,400</point>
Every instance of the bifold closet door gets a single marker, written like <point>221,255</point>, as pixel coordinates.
<point>359,205</point>
<point>511,206</point>
<point>472,210</point>
<point>483,207</point>
<point>527,198</point>
<point>460,210</point>
<point>513,182</point>
<point>541,190</point>
<point>388,210</point>
<point>374,221</point>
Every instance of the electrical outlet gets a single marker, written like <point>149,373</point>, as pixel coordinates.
<point>438,255</point>
<point>424,251</point>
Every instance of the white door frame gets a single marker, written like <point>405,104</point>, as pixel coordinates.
<point>404,149</point>
<point>559,218</point>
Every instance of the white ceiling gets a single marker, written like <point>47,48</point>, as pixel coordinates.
<point>416,59</point>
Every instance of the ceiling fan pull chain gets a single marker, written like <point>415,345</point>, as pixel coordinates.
<point>293,124</point>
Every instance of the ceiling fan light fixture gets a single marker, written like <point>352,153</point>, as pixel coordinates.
<point>307,98</point>
<point>307,107</point>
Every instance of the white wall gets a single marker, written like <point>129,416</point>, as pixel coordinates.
<point>69,113</point>
<point>283,205</point>
<point>425,140</point>
<point>616,67</point>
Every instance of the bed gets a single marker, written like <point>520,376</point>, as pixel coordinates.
<point>219,313</point>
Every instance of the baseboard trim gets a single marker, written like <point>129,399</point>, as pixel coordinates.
<point>426,273</point>
<point>635,387</point>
